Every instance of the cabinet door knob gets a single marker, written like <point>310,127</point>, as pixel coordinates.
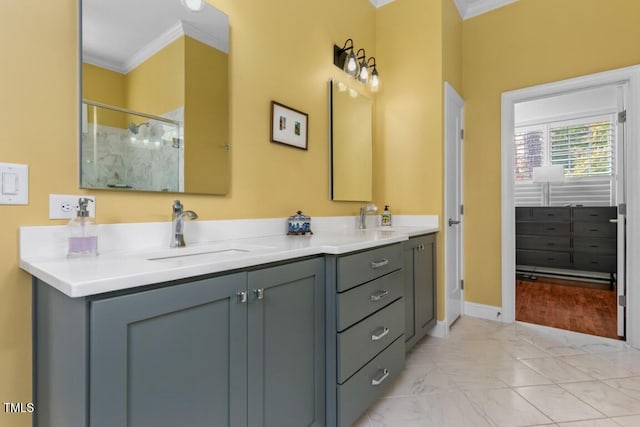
<point>379,380</point>
<point>259,293</point>
<point>379,333</point>
<point>379,295</point>
<point>242,297</point>
<point>378,264</point>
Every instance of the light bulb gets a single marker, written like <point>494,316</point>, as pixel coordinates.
<point>374,82</point>
<point>351,64</point>
<point>364,73</point>
<point>193,5</point>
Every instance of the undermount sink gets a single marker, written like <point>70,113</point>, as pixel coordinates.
<point>206,253</point>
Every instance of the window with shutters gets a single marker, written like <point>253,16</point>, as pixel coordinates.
<point>585,148</point>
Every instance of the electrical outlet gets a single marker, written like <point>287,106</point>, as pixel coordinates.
<point>65,206</point>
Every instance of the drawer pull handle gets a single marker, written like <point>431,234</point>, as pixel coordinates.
<point>551,244</point>
<point>551,229</point>
<point>379,295</point>
<point>594,229</point>
<point>594,246</point>
<point>242,297</point>
<point>379,333</point>
<point>381,378</point>
<point>613,221</point>
<point>378,264</point>
<point>259,293</point>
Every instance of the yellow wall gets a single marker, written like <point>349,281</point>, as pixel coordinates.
<point>526,43</point>
<point>106,87</point>
<point>420,44</point>
<point>280,50</point>
<point>206,119</point>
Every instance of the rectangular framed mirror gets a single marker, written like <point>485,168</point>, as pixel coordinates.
<point>154,97</point>
<point>351,144</point>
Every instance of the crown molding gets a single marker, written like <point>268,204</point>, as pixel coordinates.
<point>380,3</point>
<point>469,9</point>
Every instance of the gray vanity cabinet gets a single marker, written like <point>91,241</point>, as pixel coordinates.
<point>419,287</point>
<point>286,364</point>
<point>170,356</point>
<point>242,349</point>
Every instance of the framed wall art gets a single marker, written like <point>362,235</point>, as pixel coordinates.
<point>289,126</point>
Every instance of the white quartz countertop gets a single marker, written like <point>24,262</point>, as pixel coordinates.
<point>125,262</point>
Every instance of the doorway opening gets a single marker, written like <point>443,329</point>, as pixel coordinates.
<point>563,215</point>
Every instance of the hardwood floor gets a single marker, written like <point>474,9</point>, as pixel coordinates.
<point>574,308</point>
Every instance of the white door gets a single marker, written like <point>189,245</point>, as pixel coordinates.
<point>621,199</point>
<point>453,218</point>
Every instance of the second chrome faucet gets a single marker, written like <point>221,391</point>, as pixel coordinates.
<point>177,224</point>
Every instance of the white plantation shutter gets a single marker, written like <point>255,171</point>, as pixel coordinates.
<point>586,149</point>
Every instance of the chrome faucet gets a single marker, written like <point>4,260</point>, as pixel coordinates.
<point>366,209</point>
<point>177,224</point>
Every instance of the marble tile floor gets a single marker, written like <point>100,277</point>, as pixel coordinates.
<point>509,375</point>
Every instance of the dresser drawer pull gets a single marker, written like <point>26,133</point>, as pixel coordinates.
<point>594,246</point>
<point>379,295</point>
<point>379,333</point>
<point>613,221</point>
<point>378,264</point>
<point>551,229</point>
<point>381,378</point>
<point>551,244</point>
<point>594,229</point>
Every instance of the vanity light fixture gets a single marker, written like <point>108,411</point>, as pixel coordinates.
<point>356,64</point>
<point>193,5</point>
<point>345,58</point>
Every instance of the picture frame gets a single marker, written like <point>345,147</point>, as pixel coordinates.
<point>289,126</point>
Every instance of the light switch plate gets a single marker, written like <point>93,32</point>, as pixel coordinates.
<point>14,184</point>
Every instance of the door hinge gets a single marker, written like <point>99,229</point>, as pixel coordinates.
<point>462,284</point>
<point>622,116</point>
<point>461,209</point>
<point>622,300</point>
<point>461,133</point>
<point>622,209</point>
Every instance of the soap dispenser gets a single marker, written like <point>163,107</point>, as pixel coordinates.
<point>83,232</point>
<point>385,218</point>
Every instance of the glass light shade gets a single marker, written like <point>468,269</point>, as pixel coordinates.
<point>374,81</point>
<point>363,75</point>
<point>193,5</point>
<point>351,64</point>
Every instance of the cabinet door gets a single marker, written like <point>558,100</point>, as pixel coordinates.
<point>286,345</point>
<point>409,247</point>
<point>425,284</point>
<point>173,356</point>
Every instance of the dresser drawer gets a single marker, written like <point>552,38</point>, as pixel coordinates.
<point>595,214</point>
<point>369,383</point>
<point>544,228</point>
<point>543,258</point>
<point>359,302</point>
<point>595,229</point>
<point>562,243</point>
<point>523,214</point>
<point>595,262</point>
<point>550,214</point>
<point>600,245</point>
<point>362,267</point>
<point>363,341</point>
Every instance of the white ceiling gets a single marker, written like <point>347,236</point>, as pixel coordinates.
<point>120,34</point>
<point>466,8</point>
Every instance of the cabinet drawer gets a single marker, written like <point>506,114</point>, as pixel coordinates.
<point>357,303</point>
<point>595,262</point>
<point>595,214</point>
<point>363,341</point>
<point>369,383</point>
<point>550,214</point>
<point>562,243</point>
<point>544,228</point>
<point>594,229</point>
<point>599,245</point>
<point>523,214</point>
<point>543,258</point>
<point>364,266</point>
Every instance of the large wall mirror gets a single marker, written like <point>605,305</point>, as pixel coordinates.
<point>351,144</point>
<point>154,110</point>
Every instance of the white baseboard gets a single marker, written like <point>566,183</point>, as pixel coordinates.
<point>439,330</point>
<point>483,311</point>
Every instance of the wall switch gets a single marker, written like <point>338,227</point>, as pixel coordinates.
<point>65,206</point>
<point>14,184</point>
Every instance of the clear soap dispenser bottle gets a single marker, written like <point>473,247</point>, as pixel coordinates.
<point>83,232</point>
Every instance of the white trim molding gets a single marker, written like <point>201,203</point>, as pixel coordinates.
<point>630,77</point>
<point>470,8</point>
<point>482,311</point>
<point>380,3</point>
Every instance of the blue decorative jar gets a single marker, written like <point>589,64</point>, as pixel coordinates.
<point>299,224</point>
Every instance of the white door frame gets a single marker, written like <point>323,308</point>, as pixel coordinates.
<point>630,76</point>
<point>453,142</point>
